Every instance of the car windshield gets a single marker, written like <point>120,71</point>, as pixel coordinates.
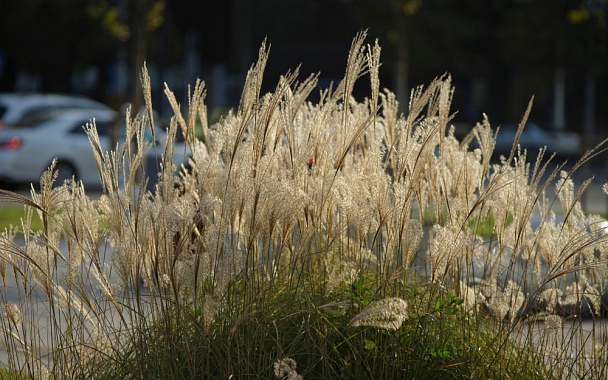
<point>102,128</point>
<point>36,117</point>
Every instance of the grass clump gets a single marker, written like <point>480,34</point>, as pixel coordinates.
<point>338,339</point>
<point>300,242</point>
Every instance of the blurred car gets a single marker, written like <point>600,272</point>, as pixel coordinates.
<point>533,137</point>
<point>27,149</point>
<point>18,108</point>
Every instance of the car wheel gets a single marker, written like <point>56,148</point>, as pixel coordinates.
<point>65,171</point>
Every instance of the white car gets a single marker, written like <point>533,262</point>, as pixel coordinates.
<point>27,150</point>
<point>16,108</point>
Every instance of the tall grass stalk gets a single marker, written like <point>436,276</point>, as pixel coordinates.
<point>336,239</point>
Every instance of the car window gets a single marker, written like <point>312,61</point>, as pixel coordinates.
<point>102,128</point>
<point>36,116</point>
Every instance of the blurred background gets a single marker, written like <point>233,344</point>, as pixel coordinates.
<point>499,52</point>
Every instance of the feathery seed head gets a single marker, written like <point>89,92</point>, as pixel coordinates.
<point>286,369</point>
<point>388,313</point>
<point>553,322</point>
<point>13,314</point>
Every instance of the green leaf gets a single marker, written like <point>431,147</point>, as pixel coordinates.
<point>439,304</point>
<point>369,345</point>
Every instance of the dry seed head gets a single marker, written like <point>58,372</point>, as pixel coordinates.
<point>567,195</point>
<point>210,309</point>
<point>147,92</point>
<point>40,266</point>
<point>388,313</point>
<point>13,313</point>
<point>190,272</point>
<point>339,274</point>
<point>123,255</point>
<point>445,247</point>
<point>553,322</point>
<point>505,303</point>
<point>3,263</point>
<point>165,281</point>
<point>286,369</point>
<point>550,298</point>
<point>373,59</point>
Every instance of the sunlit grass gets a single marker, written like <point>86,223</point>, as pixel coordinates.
<point>339,239</point>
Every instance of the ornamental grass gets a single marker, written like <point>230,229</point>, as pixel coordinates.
<point>339,238</point>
